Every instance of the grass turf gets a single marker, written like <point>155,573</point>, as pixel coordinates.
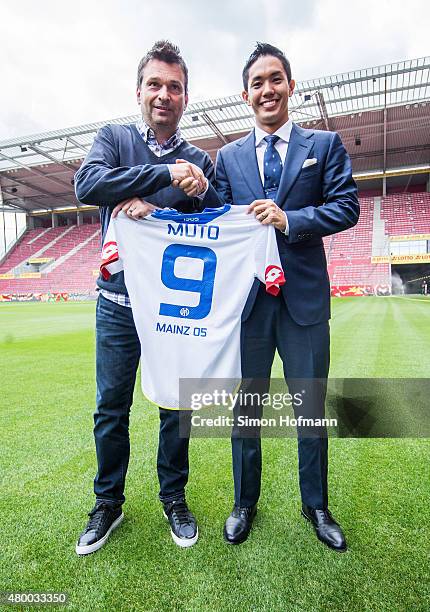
<point>379,489</point>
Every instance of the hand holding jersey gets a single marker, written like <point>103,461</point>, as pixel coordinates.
<point>268,213</point>
<point>135,208</point>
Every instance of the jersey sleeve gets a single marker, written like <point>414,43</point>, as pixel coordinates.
<point>268,267</point>
<point>111,261</point>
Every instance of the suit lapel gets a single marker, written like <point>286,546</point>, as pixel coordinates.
<point>298,150</point>
<point>247,161</point>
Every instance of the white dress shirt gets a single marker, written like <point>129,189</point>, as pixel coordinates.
<point>281,146</point>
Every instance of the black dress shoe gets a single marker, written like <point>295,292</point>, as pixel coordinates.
<point>183,525</point>
<point>326,528</point>
<point>239,523</point>
<point>104,518</point>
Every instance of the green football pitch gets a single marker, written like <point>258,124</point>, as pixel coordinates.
<point>379,488</point>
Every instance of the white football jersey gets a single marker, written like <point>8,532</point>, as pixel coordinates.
<point>188,277</point>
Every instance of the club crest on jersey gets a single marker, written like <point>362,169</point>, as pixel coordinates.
<point>274,277</point>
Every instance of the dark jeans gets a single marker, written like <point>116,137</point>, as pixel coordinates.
<point>305,354</point>
<point>117,360</point>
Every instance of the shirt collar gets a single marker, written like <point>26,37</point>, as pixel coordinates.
<point>283,132</point>
<point>149,136</point>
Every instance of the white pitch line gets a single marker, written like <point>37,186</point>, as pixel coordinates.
<point>400,297</point>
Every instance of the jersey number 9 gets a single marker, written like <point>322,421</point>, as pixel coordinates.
<point>203,286</point>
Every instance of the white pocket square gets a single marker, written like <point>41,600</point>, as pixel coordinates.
<point>309,162</point>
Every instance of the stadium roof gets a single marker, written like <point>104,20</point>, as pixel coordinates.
<point>381,113</point>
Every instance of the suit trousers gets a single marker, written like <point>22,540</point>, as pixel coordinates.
<point>117,360</point>
<point>305,354</point>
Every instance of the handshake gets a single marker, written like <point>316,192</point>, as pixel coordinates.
<point>188,177</point>
<point>185,175</point>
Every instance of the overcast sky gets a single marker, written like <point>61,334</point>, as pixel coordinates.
<point>67,63</point>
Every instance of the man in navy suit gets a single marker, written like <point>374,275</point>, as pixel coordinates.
<point>300,181</point>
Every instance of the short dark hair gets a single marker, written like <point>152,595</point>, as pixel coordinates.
<point>164,51</point>
<point>260,50</point>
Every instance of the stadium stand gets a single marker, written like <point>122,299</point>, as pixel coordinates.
<point>32,242</point>
<point>73,253</point>
<point>349,253</point>
<point>406,213</point>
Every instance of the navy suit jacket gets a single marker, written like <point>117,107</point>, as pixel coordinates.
<point>320,199</point>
